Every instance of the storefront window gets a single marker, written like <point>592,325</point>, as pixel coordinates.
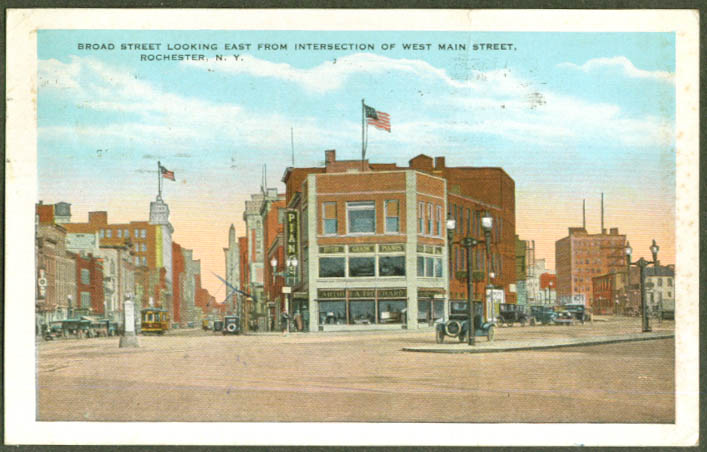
<point>362,266</point>
<point>362,312</point>
<point>438,309</point>
<point>332,312</point>
<point>423,310</point>
<point>332,267</point>
<point>362,217</point>
<point>391,266</point>
<point>392,311</point>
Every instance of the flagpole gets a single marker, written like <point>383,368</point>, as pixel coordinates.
<point>159,180</point>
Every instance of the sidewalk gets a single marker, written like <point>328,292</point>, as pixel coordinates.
<point>483,346</point>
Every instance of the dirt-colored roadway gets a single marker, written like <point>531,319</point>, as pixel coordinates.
<point>197,376</point>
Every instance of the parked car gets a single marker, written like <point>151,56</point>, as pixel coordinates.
<point>458,323</point>
<point>231,324</point>
<point>510,313</point>
<point>543,314</point>
<point>578,311</point>
<point>565,317</point>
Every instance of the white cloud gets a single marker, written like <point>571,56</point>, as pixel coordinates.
<point>330,75</point>
<point>625,65</point>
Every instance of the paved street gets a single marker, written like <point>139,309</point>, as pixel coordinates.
<point>191,375</point>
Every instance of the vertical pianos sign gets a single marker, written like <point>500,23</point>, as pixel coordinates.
<point>291,234</point>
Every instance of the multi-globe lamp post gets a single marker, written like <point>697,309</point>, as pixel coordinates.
<point>289,276</point>
<point>641,264</point>
<point>470,243</point>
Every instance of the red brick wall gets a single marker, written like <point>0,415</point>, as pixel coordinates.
<point>178,267</point>
<point>95,285</point>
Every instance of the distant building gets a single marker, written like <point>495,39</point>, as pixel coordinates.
<point>536,268</point>
<point>274,240</point>
<point>660,288</point>
<point>192,269</point>
<point>581,256</point>
<point>233,272</point>
<point>89,285</point>
<point>256,251</point>
<point>548,289</point>
<point>56,293</point>
<point>521,270</point>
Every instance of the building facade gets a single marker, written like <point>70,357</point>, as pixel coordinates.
<point>372,244</point>
<point>660,288</point>
<point>253,218</point>
<point>548,289</point>
<point>581,256</point>
<point>233,273</point>
<point>56,292</point>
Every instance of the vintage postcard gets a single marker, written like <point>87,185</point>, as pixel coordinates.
<point>383,227</point>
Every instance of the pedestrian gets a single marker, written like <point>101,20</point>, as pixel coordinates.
<point>284,321</point>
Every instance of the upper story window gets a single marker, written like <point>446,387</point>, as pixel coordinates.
<point>120,233</point>
<point>660,282</point>
<point>330,226</point>
<point>421,218</point>
<point>362,217</point>
<point>101,233</point>
<point>438,221</point>
<point>429,218</point>
<point>85,276</point>
<point>392,215</point>
<point>143,233</point>
<point>126,234</point>
<point>670,282</point>
<point>136,232</point>
<point>109,233</point>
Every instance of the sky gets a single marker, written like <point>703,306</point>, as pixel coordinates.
<point>567,115</point>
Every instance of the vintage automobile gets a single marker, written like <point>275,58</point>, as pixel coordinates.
<point>76,327</point>
<point>231,324</point>
<point>578,311</point>
<point>514,313</point>
<point>564,317</point>
<point>543,314</point>
<point>458,323</point>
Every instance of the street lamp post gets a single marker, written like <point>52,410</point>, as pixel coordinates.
<point>290,279</point>
<point>642,264</point>
<point>469,243</point>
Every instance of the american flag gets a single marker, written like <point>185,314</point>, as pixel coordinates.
<point>377,118</point>
<point>167,174</point>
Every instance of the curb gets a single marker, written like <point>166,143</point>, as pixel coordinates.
<point>542,345</point>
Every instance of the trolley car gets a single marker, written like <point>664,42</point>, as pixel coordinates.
<point>154,320</point>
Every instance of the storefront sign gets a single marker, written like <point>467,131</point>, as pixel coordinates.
<point>291,233</point>
<point>331,249</point>
<point>362,293</point>
<point>362,248</point>
<point>331,293</point>
<point>398,247</point>
<point>392,293</point>
<point>429,293</point>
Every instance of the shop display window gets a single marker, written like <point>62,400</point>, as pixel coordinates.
<point>332,312</point>
<point>362,312</point>
<point>392,311</point>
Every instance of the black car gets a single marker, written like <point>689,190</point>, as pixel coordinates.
<point>231,324</point>
<point>578,311</point>
<point>510,313</point>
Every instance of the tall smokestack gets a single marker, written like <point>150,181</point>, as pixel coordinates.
<point>584,217</point>
<point>602,212</point>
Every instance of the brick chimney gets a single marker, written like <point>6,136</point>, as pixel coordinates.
<point>100,217</point>
<point>439,163</point>
<point>329,156</point>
